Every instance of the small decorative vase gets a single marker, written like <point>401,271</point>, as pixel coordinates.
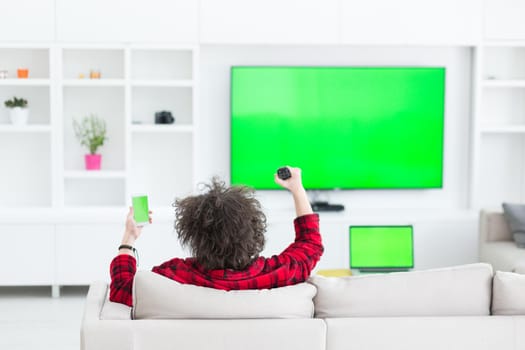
<point>18,115</point>
<point>93,161</point>
<point>22,73</point>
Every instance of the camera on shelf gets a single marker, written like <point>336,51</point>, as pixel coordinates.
<point>164,117</point>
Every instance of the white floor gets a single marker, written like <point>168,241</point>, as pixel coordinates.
<point>31,319</point>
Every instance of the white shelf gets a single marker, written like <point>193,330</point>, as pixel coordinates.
<point>504,83</point>
<point>160,128</point>
<point>498,151</point>
<point>25,82</point>
<point>505,43</point>
<point>25,128</point>
<point>93,82</point>
<point>162,83</point>
<point>508,129</point>
<point>94,174</point>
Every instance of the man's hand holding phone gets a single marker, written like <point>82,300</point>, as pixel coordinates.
<point>138,216</point>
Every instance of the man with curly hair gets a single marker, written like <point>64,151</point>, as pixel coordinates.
<point>224,229</point>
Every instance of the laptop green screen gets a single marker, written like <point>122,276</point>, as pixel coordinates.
<point>381,247</point>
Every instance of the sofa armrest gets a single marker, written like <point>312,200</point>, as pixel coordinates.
<point>97,334</point>
<point>95,301</point>
<point>493,227</point>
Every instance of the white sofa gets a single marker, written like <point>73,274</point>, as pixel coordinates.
<point>463,307</point>
<point>496,245</point>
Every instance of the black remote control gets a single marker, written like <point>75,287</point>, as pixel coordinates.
<point>284,173</point>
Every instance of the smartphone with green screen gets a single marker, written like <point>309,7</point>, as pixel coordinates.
<point>140,209</point>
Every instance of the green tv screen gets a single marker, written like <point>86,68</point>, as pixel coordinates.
<point>381,247</point>
<point>346,127</point>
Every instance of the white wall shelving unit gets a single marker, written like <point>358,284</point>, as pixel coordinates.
<point>499,149</point>
<point>161,158</point>
<point>25,151</point>
<point>139,156</point>
<point>45,162</point>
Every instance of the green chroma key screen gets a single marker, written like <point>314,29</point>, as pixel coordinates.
<point>381,247</point>
<point>346,127</point>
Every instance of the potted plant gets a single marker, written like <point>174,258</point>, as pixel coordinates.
<point>91,132</point>
<point>18,111</point>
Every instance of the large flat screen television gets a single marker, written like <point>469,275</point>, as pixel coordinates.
<point>346,127</point>
<point>381,248</point>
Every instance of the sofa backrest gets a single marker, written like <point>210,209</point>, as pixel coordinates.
<point>508,294</point>
<point>456,291</point>
<point>493,227</point>
<point>158,297</point>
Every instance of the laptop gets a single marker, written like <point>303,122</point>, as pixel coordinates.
<point>381,248</point>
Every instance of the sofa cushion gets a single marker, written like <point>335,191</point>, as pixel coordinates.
<point>493,227</point>
<point>508,296</point>
<point>455,291</point>
<point>158,297</point>
<point>515,216</point>
<point>114,311</point>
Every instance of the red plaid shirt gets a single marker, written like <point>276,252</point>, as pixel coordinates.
<point>292,266</point>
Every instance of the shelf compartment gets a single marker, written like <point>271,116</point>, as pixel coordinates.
<point>501,169</point>
<point>162,167</point>
<point>83,192</point>
<point>38,98</point>
<point>503,107</point>
<point>109,62</point>
<point>146,101</point>
<point>505,63</point>
<point>151,64</point>
<point>26,159</point>
<point>105,102</point>
<point>36,60</point>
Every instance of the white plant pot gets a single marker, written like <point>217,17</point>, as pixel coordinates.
<point>18,115</point>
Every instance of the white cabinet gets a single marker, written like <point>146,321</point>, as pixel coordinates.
<point>499,130</point>
<point>504,19</point>
<point>160,21</point>
<point>411,22</point>
<point>269,22</point>
<point>28,254</point>
<point>28,20</point>
<point>84,252</point>
<point>157,244</point>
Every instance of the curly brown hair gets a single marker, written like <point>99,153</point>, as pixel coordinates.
<point>223,227</point>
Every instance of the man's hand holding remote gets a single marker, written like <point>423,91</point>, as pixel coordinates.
<point>295,185</point>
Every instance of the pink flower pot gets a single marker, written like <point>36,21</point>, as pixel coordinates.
<point>93,161</point>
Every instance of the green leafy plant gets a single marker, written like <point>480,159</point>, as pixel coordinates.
<point>16,102</point>
<point>91,132</point>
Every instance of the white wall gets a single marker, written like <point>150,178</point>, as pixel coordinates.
<point>444,232</point>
